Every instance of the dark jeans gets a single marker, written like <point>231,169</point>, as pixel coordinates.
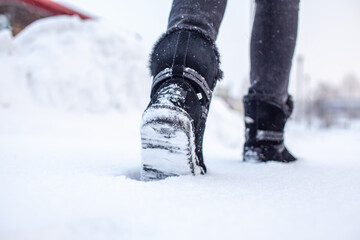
<point>272,42</point>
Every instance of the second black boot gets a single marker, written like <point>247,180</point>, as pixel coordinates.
<point>264,131</point>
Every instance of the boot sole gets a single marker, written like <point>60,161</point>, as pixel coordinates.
<point>255,156</point>
<point>168,143</point>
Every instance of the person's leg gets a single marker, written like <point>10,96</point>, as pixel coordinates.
<point>272,48</point>
<point>201,19</point>
<point>199,15</point>
<point>185,68</point>
<point>268,104</point>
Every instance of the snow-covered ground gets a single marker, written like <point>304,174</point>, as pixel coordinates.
<point>71,98</point>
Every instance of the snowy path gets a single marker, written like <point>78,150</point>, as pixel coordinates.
<point>74,176</point>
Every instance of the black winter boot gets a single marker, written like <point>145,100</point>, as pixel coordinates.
<point>264,131</point>
<point>185,68</point>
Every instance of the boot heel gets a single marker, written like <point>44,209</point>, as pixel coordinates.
<point>168,144</point>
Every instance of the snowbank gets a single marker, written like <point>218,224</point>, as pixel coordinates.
<point>74,64</point>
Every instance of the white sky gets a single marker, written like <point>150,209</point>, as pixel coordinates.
<point>328,38</point>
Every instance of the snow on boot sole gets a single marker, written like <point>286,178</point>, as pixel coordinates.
<point>168,143</point>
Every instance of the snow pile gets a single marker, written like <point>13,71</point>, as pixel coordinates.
<point>74,64</point>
